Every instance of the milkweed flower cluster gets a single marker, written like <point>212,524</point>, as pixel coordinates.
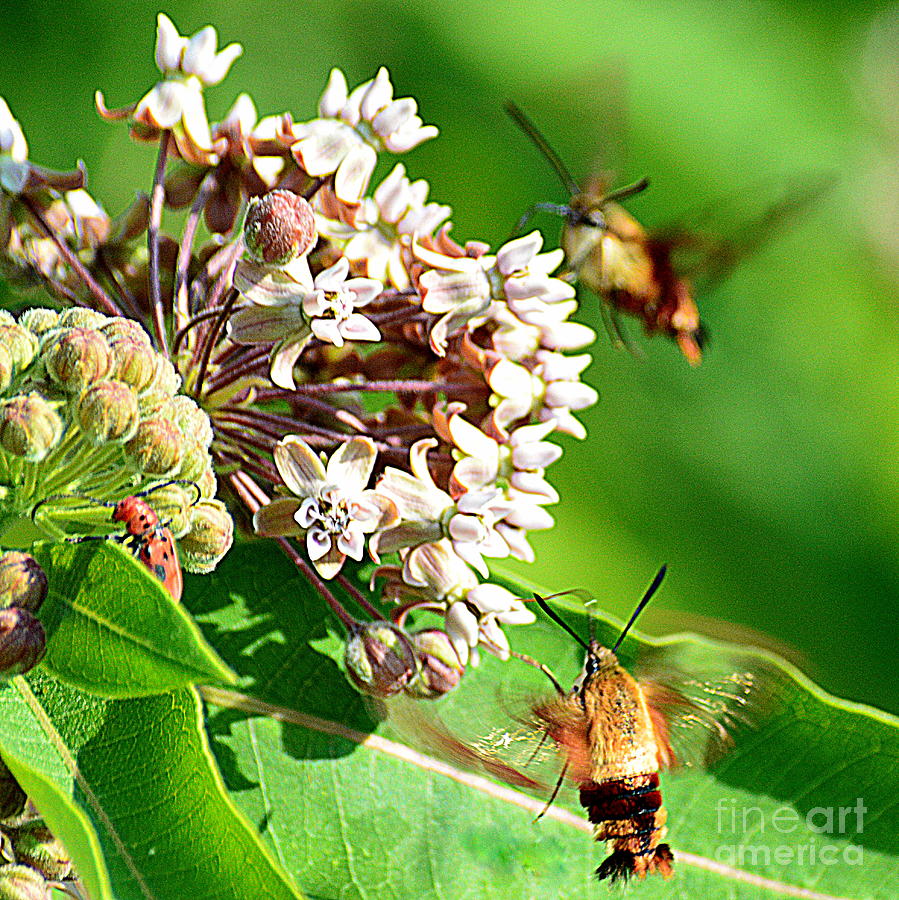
<point>373,387</point>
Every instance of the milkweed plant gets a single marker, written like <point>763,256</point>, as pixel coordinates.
<point>312,353</point>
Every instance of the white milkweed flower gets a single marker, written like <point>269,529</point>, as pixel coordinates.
<point>352,128</point>
<point>331,505</point>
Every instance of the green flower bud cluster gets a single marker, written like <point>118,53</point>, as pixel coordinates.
<point>89,408</point>
<point>32,857</point>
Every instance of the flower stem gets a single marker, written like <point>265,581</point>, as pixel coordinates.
<point>211,337</point>
<point>156,201</point>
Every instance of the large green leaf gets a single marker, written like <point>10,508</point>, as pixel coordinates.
<point>359,814</point>
<point>136,779</point>
<point>113,630</point>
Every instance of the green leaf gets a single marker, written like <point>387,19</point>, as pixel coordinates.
<point>113,630</point>
<point>361,814</point>
<point>136,778</point>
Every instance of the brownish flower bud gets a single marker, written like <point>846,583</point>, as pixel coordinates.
<point>278,227</point>
<point>29,427</point>
<point>21,344</point>
<point>379,658</point>
<point>80,317</point>
<point>107,411</point>
<point>21,883</point>
<point>22,581</point>
<point>39,320</point>
<point>12,797</point>
<point>6,368</point>
<point>134,361</point>
<point>209,538</point>
<point>22,641</point>
<point>440,669</point>
<point>77,357</point>
<point>35,846</point>
<point>156,446</point>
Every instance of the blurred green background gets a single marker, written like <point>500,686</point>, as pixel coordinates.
<point>768,479</point>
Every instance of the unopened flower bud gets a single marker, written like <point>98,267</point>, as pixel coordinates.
<point>172,503</point>
<point>29,427</point>
<point>279,227</point>
<point>192,420</point>
<point>379,658</point>
<point>162,388</point>
<point>35,846</point>
<point>107,411</point>
<point>155,448</point>
<point>22,641</point>
<point>134,361</point>
<point>6,366</point>
<point>440,669</point>
<point>118,327</point>
<point>208,484</point>
<point>22,581</point>
<point>22,883</point>
<point>21,344</point>
<point>39,320</point>
<point>77,357</point>
<point>209,538</point>
<point>12,797</point>
<point>195,459</point>
<point>81,317</point>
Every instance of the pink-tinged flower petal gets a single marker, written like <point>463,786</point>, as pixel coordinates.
<point>435,260</point>
<point>364,290</point>
<point>318,543</point>
<point>414,499</point>
<point>516,254</point>
<point>329,565</point>
<point>573,394</point>
<point>491,598</point>
<point>536,485</point>
<point>445,291</point>
<point>548,290</point>
<point>193,118</point>
<point>530,434</point>
<point>509,379</point>
<point>351,465</point>
<point>200,48</point>
<point>461,622</point>
<point>373,511</point>
<point>241,117</point>
<point>334,96</point>
<point>392,194</point>
<point>493,640</point>
<point>437,567</point>
<point>161,107</point>
<point>169,45</point>
<point>351,542</point>
<point>494,546</point>
<point>327,330</point>
<point>472,441</point>
<point>530,517</point>
<point>377,96</point>
<point>535,455</point>
<point>418,461</point>
<point>471,554</point>
<point>308,513</point>
<point>556,366</point>
<point>267,286</point>
<point>566,423</point>
<point>300,468</point>
<point>332,278</point>
<point>357,328</point>
<point>316,305</point>
<point>284,357</point>
<point>354,173</point>
<point>277,519</point>
<point>518,614</point>
<point>352,109</point>
<point>322,151</point>
<point>517,542</point>
<point>405,140</point>
<point>471,473</point>
<point>394,116</point>
<point>468,529</point>
<point>568,336</point>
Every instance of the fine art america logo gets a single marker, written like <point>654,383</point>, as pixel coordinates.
<point>754,834</point>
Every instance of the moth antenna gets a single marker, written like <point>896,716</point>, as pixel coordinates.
<point>647,596</point>
<point>541,602</point>
<point>628,190</point>
<point>538,665</point>
<point>542,144</point>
